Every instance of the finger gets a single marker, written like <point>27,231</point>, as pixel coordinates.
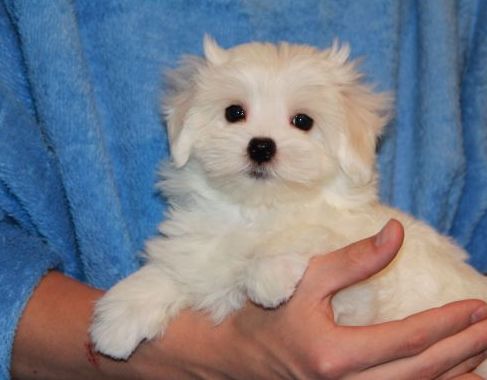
<point>399,339</point>
<point>437,359</point>
<point>334,271</point>
<point>457,349</point>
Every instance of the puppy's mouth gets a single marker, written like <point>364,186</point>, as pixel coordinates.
<point>259,172</point>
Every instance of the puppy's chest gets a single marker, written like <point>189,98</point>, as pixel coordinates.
<point>268,233</point>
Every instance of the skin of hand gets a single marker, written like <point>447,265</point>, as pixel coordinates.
<point>298,340</point>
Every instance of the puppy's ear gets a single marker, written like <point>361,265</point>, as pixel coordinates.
<point>365,113</point>
<point>180,92</point>
<point>213,52</point>
<point>179,97</point>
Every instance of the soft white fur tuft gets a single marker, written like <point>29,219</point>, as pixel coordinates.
<point>231,234</point>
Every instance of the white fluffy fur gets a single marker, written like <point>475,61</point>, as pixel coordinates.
<point>229,236</point>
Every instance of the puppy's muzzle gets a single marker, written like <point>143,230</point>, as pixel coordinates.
<point>261,149</point>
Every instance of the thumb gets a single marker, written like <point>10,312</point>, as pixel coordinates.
<point>329,273</point>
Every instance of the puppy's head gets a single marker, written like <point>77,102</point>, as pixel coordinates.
<point>274,121</point>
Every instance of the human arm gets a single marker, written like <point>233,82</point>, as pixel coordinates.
<point>298,340</point>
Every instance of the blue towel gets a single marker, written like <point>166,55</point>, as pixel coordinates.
<point>81,136</point>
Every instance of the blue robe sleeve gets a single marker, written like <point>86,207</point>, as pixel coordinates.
<point>73,195</point>
<point>35,229</point>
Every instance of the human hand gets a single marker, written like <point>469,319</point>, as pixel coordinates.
<point>300,340</point>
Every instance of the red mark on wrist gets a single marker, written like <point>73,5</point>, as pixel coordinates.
<point>91,355</point>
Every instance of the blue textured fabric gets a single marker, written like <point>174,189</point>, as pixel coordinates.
<point>81,135</point>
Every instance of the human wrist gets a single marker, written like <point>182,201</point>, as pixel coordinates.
<point>51,341</point>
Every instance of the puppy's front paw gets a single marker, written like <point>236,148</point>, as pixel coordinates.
<point>137,308</point>
<point>118,326</point>
<point>273,280</point>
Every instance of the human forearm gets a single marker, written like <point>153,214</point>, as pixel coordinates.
<point>52,341</point>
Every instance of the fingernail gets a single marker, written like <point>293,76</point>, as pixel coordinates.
<point>382,237</point>
<point>479,314</point>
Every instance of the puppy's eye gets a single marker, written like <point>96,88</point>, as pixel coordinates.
<point>234,113</point>
<point>302,121</point>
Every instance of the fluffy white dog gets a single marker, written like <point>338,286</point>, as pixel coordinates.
<point>273,151</point>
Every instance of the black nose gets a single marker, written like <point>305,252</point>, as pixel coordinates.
<point>261,149</point>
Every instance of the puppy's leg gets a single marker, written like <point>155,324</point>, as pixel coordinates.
<point>137,308</point>
<point>272,280</point>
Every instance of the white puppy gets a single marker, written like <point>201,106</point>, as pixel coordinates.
<point>273,151</point>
